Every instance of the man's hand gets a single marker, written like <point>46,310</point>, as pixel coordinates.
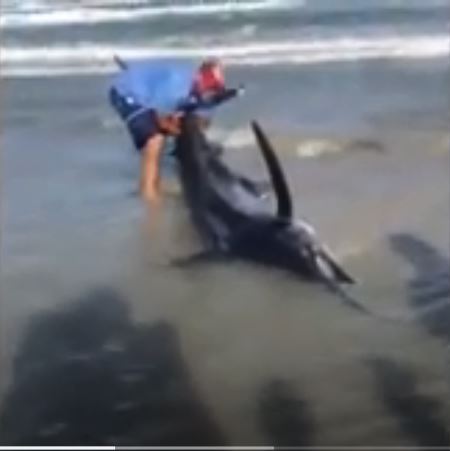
<point>168,124</point>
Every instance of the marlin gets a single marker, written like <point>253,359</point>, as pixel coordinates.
<point>233,222</point>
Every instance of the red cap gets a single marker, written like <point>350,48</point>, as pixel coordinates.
<point>209,78</point>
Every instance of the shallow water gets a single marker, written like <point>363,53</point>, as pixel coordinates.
<point>225,353</point>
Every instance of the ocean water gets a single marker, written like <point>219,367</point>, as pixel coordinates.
<point>72,37</point>
<point>103,341</point>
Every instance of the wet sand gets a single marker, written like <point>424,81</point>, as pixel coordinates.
<point>228,353</point>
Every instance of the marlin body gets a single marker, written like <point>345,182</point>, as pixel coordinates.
<point>233,222</point>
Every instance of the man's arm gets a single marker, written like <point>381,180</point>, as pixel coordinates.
<point>149,184</point>
<point>168,125</point>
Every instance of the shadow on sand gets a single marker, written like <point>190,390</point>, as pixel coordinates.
<point>87,375</point>
<point>416,414</point>
<point>429,290</point>
<point>285,418</point>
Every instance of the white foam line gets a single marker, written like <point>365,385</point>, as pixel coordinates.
<point>23,72</point>
<point>260,51</point>
<point>91,58</point>
<point>331,48</point>
<point>98,15</point>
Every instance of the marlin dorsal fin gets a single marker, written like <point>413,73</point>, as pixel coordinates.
<point>284,209</point>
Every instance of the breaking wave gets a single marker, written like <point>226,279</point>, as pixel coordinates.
<point>90,58</point>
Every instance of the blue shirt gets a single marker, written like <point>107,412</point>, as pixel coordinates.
<point>160,84</point>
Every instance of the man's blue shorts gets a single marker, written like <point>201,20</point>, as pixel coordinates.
<point>141,127</point>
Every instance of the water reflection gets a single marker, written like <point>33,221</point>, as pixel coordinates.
<point>88,375</point>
